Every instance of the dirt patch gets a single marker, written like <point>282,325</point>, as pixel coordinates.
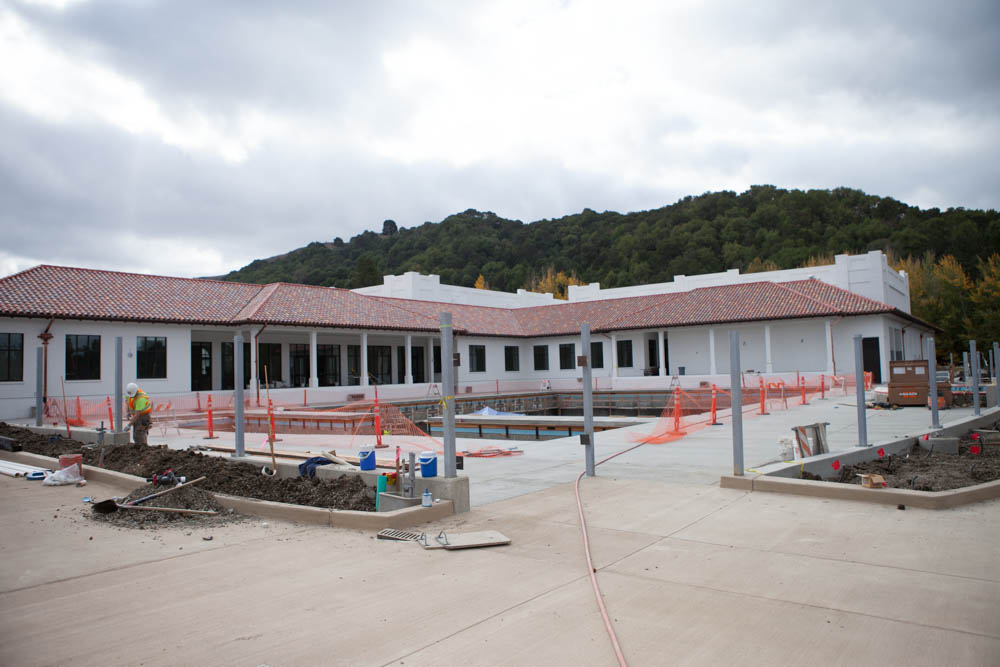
<point>921,470</point>
<point>189,498</point>
<point>223,475</point>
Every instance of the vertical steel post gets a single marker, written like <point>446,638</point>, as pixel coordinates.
<point>448,394</point>
<point>588,398</point>
<point>966,373</point>
<point>994,360</point>
<point>859,382</point>
<point>39,385</point>
<point>736,401</point>
<point>119,399</point>
<point>974,360</point>
<point>238,395</point>
<point>932,373</point>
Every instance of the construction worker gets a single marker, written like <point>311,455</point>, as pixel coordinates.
<point>139,409</point>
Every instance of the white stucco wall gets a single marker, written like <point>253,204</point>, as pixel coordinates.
<point>413,285</point>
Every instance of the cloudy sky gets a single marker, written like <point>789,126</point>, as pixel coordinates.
<point>190,137</point>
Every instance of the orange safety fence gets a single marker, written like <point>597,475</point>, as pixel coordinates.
<point>690,410</point>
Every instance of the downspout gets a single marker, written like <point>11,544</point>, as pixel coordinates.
<point>256,355</point>
<point>833,357</point>
<point>46,337</point>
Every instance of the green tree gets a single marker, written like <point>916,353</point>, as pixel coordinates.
<point>366,272</point>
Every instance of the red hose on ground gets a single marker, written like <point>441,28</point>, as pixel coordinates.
<point>590,562</point>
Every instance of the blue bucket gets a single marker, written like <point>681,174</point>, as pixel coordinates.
<point>367,457</point>
<point>428,464</point>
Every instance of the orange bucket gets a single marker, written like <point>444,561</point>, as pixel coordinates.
<point>66,460</point>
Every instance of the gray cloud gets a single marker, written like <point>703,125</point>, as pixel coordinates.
<point>255,128</point>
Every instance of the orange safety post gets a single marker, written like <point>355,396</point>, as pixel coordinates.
<point>378,423</point>
<point>211,425</point>
<point>270,418</point>
<point>197,397</point>
<point>784,399</point>
<point>715,421</point>
<point>822,386</point>
<point>305,397</point>
<point>677,410</point>
<point>111,418</point>
<point>803,385</point>
<point>79,418</point>
<point>763,397</point>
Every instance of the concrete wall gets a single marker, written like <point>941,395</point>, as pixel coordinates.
<point>868,275</point>
<point>413,285</point>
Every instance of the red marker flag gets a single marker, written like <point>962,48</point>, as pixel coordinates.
<point>974,436</point>
<point>881,452</point>
<point>836,464</point>
<point>975,449</point>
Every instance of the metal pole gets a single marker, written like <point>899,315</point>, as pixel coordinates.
<point>448,394</point>
<point>736,401</point>
<point>974,360</point>
<point>238,395</point>
<point>859,381</point>
<point>588,398</point>
<point>39,385</point>
<point>994,358</point>
<point>119,399</point>
<point>932,373</point>
<point>966,373</point>
<point>996,361</point>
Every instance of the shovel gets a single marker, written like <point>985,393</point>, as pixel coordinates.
<point>110,505</point>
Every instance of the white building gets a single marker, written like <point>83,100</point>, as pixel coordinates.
<point>178,333</point>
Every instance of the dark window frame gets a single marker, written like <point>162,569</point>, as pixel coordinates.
<point>567,356</point>
<point>596,354</point>
<point>150,362</point>
<point>540,353</point>
<point>477,358</point>
<point>11,370</point>
<point>624,352</point>
<point>83,357</point>
<point>512,358</point>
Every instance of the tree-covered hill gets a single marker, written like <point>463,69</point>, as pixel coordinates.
<point>764,227</point>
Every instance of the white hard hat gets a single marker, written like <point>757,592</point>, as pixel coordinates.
<point>131,389</point>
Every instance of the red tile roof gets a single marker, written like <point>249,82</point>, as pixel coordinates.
<point>65,292</point>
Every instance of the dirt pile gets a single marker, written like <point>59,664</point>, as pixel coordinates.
<point>223,475</point>
<point>923,470</point>
<point>189,498</point>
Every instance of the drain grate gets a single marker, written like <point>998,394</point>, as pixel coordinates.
<point>398,535</point>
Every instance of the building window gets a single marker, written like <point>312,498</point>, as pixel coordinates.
<point>511,358</point>
<point>11,357</point>
<point>151,357</point>
<point>625,354</point>
<point>353,364</point>
<point>596,354</point>
<point>477,358</point>
<point>328,365</point>
<point>437,358</point>
<point>269,356</point>
<point>541,357</point>
<point>298,364</point>
<point>566,354</point>
<point>229,365</point>
<point>895,344</point>
<point>83,357</point>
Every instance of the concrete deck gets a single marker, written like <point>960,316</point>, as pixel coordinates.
<point>692,574</point>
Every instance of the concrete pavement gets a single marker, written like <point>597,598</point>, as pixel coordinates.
<point>691,574</point>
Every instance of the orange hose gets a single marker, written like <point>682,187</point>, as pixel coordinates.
<point>590,562</point>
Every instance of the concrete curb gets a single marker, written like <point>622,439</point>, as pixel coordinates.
<point>932,500</point>
<point>402,518</point>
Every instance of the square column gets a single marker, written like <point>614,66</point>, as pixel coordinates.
<point>408,377</point>
<point>614,355</point>
<point>313,374</point>
<point>342,353</point>
<point>364,360</point>
<point>767,349</point>
<point>253,359</point>
<point>711,351</point>
<point>659,352</point>
<point>829,347</point>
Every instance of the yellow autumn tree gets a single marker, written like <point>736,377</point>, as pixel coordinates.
<point>759,265</point>
<point>556,282</point>
<point>481,283</point>
<point>985,299</point>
